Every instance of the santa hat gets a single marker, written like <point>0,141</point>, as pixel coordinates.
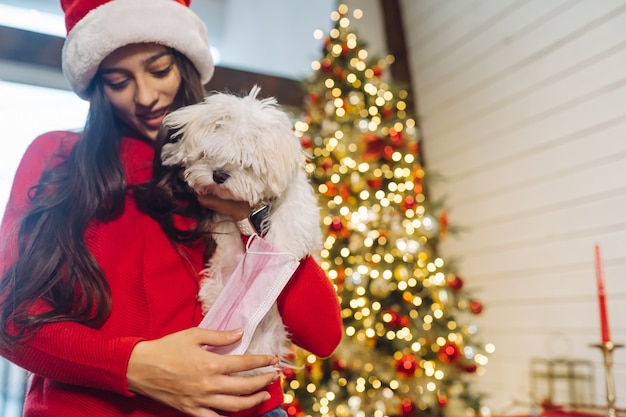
<point>95,28</point>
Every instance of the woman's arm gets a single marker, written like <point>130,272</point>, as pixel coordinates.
<point>308,304</point>
<point>177,371</point>
<point>174,370</point>
<point>310,309</point>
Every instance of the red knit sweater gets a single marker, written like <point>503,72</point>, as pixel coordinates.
<point>79,371</point>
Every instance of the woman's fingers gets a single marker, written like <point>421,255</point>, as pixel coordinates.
<point>177,371</point>
<point>231,404</point>
<point>236,209</point>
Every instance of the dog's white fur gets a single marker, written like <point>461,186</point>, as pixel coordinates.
<point>251,141</point>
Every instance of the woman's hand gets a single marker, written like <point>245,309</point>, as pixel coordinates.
<point>238,210</point>
<point>177,371</point>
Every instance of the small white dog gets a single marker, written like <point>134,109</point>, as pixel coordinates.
<point>244,148</point>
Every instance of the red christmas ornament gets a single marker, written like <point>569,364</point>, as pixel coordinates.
<point>406,365</point>
<point>387,152</point>
<point>409,203</point>
<point>470,368</point>
<point>344,48</point>
<point>442,399</point>
<point>386,112</point>
<point>455,283</point>
<point>375,183</point>
<point>289,374</point>
<point>443,224</point>
<point>293,409</point>
<point>327,164</point>
<point>377,70</point>
<point>326,65</point>
<point>374,146</point>
<point>336,225</point>
<point>344,191</point>
<point>314,98</point>
<point>407,408</point>
<point>476,306</point>
<point>449,353</point>
<point>331,189</point>
<point>339,364</point>
<point>341,276</point>
<point>397,138</point>
<point>306,142</point>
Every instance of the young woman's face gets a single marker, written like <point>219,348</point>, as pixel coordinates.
<point>141,81</point>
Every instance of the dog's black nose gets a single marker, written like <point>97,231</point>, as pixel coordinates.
<point>220,177</point>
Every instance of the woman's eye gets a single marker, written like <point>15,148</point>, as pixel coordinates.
<point>163,72</point>
<point>116,85</point>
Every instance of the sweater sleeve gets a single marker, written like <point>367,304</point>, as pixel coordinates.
<point>66,352</point>
<point>310,309</point>
<point>75,354</point>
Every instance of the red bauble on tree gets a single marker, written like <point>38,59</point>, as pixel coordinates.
<point>449,353</point>
<point>397,138</point>
<point>388,151</point>
<point>344,191</point>
<point>326,164</point>
<point>407,408</point>
<point>339,364</point>
<point>470,368</point>
<point>443,224</point>
<point>374,146</point>
<point>476,306</point>
<point>409,203</point>
<point>293,409</point>
<point>375,183</point>
<point>331,189</point>
<point>341,275</point>
<point>306,142</point>
<point>336,225</point>
<point>289,374</point>
<point>326,65</point>
<point>406,365</point>
<point>455,282</point>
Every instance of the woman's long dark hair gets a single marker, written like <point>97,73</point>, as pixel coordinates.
<point>53,263</point>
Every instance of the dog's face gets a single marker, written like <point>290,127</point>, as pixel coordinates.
<point>239,148</point>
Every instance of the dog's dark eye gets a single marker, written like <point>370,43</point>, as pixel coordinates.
<point>220,177</point>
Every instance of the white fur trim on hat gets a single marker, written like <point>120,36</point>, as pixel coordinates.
<point>123,22</point>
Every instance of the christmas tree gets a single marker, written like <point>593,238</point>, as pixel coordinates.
<point>408,346</point>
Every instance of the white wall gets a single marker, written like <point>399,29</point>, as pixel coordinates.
<point>523,110</point>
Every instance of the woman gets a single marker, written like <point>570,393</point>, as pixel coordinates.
<point>98,297</point>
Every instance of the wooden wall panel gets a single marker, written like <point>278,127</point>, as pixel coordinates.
<point>522,105</point>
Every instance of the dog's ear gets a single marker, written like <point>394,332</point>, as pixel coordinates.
<point>284,160</point>
<point>188,127</point>
<point>172,154</point>
<point>276,146</point>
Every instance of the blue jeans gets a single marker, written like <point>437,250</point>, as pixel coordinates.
<point>277,412</point>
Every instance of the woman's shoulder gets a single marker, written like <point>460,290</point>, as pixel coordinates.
<point>50,148</point>
<point>60,141</point>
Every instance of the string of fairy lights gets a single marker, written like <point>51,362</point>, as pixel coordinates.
<point>404,348</point>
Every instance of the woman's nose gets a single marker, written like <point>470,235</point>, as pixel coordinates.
<point>145,95</point>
